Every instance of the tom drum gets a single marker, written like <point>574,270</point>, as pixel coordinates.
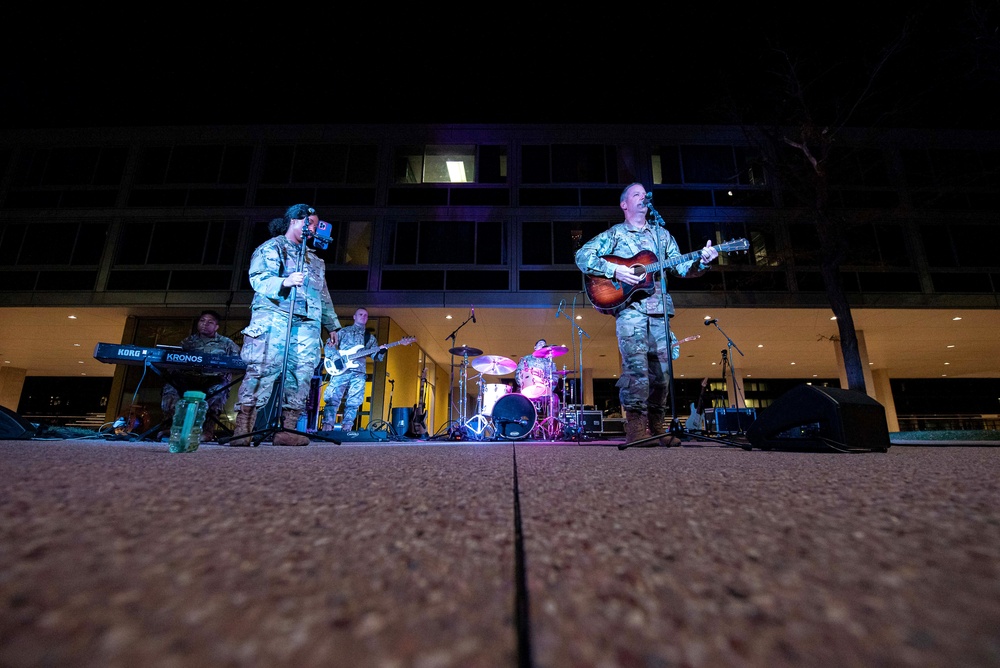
<point>491,393</point>
<point>514,416</point>
<point>533,383</point>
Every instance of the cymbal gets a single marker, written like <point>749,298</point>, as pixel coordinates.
<point>564,372</point>
<point>494,365</point>
<point>465,350</point>
<point>551,351</point>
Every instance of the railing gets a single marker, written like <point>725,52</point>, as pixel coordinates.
<point>949,422</point>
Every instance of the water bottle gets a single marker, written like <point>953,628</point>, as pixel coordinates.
<point>185,432</point>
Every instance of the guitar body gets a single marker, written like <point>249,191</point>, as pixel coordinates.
<point>343,362</point>
<point>418,425</point>
<point>607,294</point>
<point>695,422</point>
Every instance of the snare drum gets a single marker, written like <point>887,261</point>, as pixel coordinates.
<point>514,416</point>
<point>542,405</point>
<point>491,393</point>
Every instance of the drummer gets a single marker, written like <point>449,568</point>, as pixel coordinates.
<point>535,375</point>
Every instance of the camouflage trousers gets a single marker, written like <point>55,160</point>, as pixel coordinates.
<point>353,386</point>
<point>644,381</point>
<point>264,352</point>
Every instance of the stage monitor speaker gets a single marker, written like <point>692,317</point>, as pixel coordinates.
<point>13,427</point>
<point>821,419</point>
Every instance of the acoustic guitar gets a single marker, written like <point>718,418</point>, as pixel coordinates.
<point>608,295</point>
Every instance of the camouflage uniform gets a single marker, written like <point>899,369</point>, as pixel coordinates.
<point>640,325</point>
<point>203,382</point>
<point>351,382</point>
<point>264,338</point>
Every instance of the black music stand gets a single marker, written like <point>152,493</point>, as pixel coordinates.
<point>268,420</point>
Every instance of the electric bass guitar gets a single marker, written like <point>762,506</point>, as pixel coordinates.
<point>609,294</point>
<point>418,425</point>
<point>348,359</point>
<point>697,420</point>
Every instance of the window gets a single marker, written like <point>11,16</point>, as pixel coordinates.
<point>450,163</point>
<point>576,163</point>
<point>339,164</point>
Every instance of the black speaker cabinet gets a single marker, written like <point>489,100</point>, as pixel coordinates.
<point>13,427</point>
<point>826,419</point>
<point>734,420</point>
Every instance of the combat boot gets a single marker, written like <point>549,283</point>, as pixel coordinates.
<point>245,419</point>
<point>329,419</point>
<point>636,425</point>
<point>290,420</point>
<point>657,427</point>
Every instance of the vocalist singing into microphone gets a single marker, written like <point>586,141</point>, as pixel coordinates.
<point>641,325</point>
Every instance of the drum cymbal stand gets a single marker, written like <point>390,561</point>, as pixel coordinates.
<point>549,427</point>
<point>478,426</point>
<point>576,388</point>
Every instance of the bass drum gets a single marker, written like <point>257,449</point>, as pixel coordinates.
<point>513,416</point>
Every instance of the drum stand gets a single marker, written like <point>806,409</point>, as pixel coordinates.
<point>479,426</point>
<point>550,427</point>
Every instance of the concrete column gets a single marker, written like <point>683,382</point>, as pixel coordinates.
<point>883,395</point>
<point>11,386</point>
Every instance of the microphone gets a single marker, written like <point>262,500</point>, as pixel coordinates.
<point>562,302</point>
<point>710,322</point>
<point>473,307</point>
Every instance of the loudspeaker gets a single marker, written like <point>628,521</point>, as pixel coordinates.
<point>401,419</point>
<point>734,420</point>
<point>812,418</point>
<point>13,427</point>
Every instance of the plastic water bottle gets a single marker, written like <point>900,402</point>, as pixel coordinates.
<point>185,432</point>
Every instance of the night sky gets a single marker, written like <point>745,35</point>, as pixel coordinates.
<point>566,64</point>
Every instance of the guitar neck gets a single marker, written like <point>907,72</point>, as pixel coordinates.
<point>656,266</point>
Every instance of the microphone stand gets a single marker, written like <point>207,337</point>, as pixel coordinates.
<point>577,340</point>
<point>451,380</point>
<point>737,392</point>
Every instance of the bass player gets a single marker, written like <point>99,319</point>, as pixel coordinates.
<point>349,386</point>
<point>640,324</point>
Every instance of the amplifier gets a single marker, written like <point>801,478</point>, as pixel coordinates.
<point>591,422</point>
<point>734,419</point>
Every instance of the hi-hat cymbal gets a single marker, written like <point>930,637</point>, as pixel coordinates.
<point>494,365</point>
<point>564,372</point>
<point>465,350</point>
<point>551,351</point>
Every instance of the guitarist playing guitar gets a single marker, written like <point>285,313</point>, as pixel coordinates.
<point>348,372</point>
<point>642,316</point>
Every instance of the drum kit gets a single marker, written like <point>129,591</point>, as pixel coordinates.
<point>502,413</point>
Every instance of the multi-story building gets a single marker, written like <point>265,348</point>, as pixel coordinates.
<point>137,229</point>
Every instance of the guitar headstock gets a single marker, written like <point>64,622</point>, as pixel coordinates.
<point>408,340</point>
<point>733,245</point>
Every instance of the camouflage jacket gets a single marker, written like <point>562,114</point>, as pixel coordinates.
<point>272,262</point>
<point>622,242</point>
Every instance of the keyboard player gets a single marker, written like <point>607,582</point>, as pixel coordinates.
<point>205,340</point>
